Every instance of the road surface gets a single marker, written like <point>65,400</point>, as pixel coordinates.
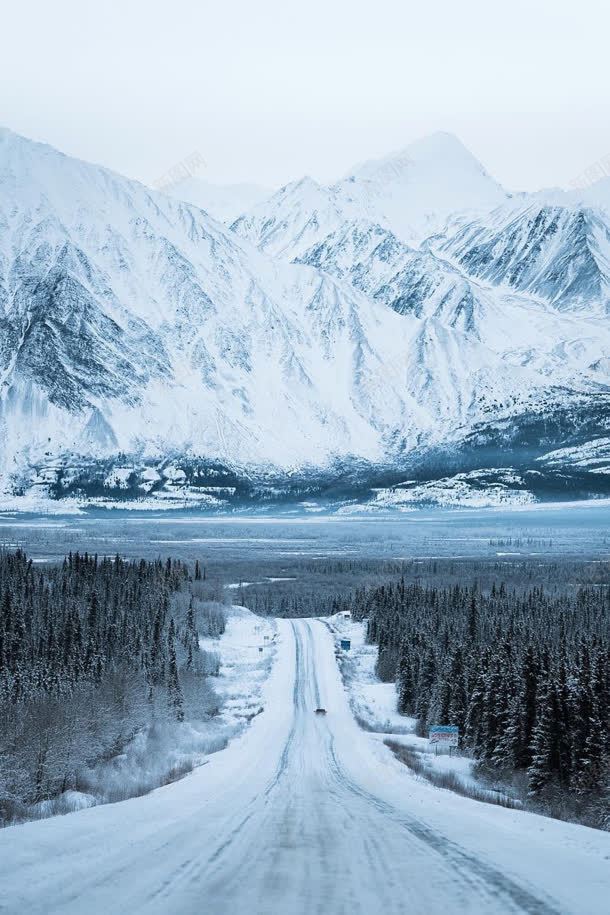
<point>303,814</point>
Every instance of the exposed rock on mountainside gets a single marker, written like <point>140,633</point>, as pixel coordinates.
<point>150,352</point>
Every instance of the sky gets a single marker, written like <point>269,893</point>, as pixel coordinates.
<point>269,90</point>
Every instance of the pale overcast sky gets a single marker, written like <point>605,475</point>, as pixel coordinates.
<point>270,90</point>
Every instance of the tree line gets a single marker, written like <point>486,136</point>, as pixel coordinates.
<point>524,674</point>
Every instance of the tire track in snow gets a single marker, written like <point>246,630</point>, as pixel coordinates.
<point>192,870</point>
<point>485,875</point>
<point>468,879</point>
<point>296,704</point>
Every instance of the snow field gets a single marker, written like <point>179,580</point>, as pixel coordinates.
<point>373,702</point>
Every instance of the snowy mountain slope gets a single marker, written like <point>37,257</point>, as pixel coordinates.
<point>137,329</point>
<point>87,251</point>
<point>224,202</point>
<point>596,195</point>
<point>476,336</point>
<point>407,280</point>
<point>416,189</point>
<point>295,217</point>
<point>559,253</point>
<point>410,193</point>
<point>135,322</point>
<point>484,350</point>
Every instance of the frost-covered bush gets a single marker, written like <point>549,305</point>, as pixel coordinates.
<point>208,616</point>
<point>211,619</point>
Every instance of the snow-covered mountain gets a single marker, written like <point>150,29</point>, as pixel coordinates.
<point>224,202</point>
<point>411,193</point>
<point>596,195</point>
<point>559,253</point>
<point>148,348</point>
<point>416,190</point>
<point>132,320</point>
<point>410,281</point>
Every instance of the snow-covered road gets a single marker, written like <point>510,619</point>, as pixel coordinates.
<point>303,814</point>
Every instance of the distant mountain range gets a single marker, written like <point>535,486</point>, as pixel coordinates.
<point>409,335</point>
<point>222,201</point>
<point>412,194</point>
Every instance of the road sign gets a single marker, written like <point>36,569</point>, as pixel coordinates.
<point>346,644</point>
<point>444,735</point>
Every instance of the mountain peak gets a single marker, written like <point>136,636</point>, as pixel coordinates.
<point>440,151</point>
<point>440,141</point>
<point>415,190</point>
<point>302,185</point>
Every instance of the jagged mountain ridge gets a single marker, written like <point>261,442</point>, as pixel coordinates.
<point>409,281</point>
<point>133,321</point>
<point>527,279</point>
<point>135,324</point>
<point>143,317</point>
<point>560,253</point>
<point>410,193</point>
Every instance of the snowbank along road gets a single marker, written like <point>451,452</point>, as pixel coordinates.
<point>303,814</point>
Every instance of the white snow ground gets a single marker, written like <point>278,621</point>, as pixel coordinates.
<point>373,702</point>
<point>303,814</point>
<point>244,667</point>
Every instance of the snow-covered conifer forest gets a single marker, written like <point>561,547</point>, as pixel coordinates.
<point>524,673</point>
<point>99,659</point>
